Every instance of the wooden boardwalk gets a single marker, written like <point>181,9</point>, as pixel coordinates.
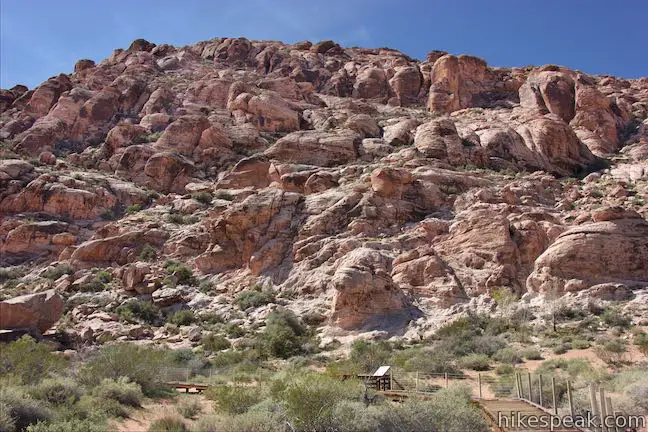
<point>500,413</point>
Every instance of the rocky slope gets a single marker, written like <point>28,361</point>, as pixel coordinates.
<point>369,190</point>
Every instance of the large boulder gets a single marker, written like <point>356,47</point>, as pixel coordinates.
<point>549,92</point>
<point>608,251</point>
<point>316,148</point>
<point>39,311</point>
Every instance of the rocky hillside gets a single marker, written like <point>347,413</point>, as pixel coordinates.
<point>360,188</point>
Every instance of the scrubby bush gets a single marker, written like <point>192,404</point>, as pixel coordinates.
<point>20,409</point>
<point>254,298</point>
<point>189,407</point>
<point>252,421</point>
<point>57,392</point>
<point>532,354</point>
<point>368,356</point>
<point>182,273</point>
<point>641,341</point>
<point>611,351</point>
<point>168,424</point>
<point>507,355</point>
<point>28,360</point>
<point>133,208</point>
<point>283,336</point>
<point>561,348</point>
<point>580,344</point>
<point>183,317</point>
<point>140,364</point>
<point>72,425</point>
<point>613,318</point>
<point>136,310</point>
<point>202,196</point>
<point>56,272</point>
<point>504,369</point>
<point>104,276</point>
<point>214,342</point>
<point>234,399</point>
<point>477,362</point>
<point>430,361</point>
<point>121,390</point>
<point>148,253</point>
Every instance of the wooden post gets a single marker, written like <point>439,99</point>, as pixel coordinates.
<point>417,381</point>
<point>603,409</point>
<point>569,397</point>
<point>480,385</point>
<point>530,388</point>
<point>593,403</point>
<point>553,394</point>
<point>446,379</point>
<point>540,390</point>
<point>187,375</point>
<point>610,411</point>
<point>391,380</point>
<point>517,385</point>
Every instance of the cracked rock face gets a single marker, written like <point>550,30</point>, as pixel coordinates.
<point>367,188</point>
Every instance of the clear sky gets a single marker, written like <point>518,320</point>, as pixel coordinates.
<point>41,38</point>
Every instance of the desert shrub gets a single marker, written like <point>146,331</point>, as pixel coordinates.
<point>254,298</point>
<point>133,208</point>
<point>122,390</point>
<point>452,411</point>
<point>234,399</point>
<point>183,317</point>
<point>8,273</point>
<point>504,369</point>
<point>641,341</point>
<point>202,196</point>
<point>21,408</point>
<point>507,355</point>
<point>56,391</point>
<point>580,344</point>
<point>28,360</point>
<point>72,425</point>
<point>252,421</point>
<point>224,195</point>
<point>211,318</point>
<point>611,350</point>
<point>148,253</point>
<point>532,354</point>
<point>182,273</point>
<point>477,362</point>
<point>432,361</point>
<point>283,336</point>
<point>227,358</point>
<point>140,364</point>
<point>136,310</point>
<point>235,330</point>
<point>561,348</point>
<point>94,408</point>
<point>613,318</point>
<point>56,272</point>
<point>214,342</point>
<point>368,356</point>
<point>309,398</point>
<point>177,218</point>
<point>103,276</point>
<point>189,407</point>
<point>168,424</point>
<point>7,423</point>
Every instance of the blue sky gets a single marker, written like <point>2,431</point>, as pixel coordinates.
<point>41,38</point>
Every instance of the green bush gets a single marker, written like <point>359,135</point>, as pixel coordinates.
<point>28,360</point>
<point>121,390</point>
<point>136,310</point>
<point>56,392</point>
<point>580,344</point>
<point>234,399</point>
<point>189,407</point>
<point>252,421</point>
<point>72,425</point>
<point>202,196</point>
<point>613,318</point>
<point>104,276</point>
<point>182,273</point>
<point>561,348</point>
<point>133,208</point>
<point>148,253</point>
<point>504,369</point>
<point>254,298</point>
<point>168,424</point>
<point>284,335</point>
<point>641,341</point>
<point>532,354</point>
<point>21,408</point>
<point>368,356</point>
<point>93,408</point>
<point>507,355</point>
<point>142,365</point>
<point>611,351</point>
<point>477,362</point>
<point>214,342</point>
<point>7,423</point>
<point>54,273</point>
<point>183,317</point>
<point>235,330</point>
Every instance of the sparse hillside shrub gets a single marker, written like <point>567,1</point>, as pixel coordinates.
<point>168,424</point>
<point>133,208</point>
<point>136,310</point>
<point>532,354</point>
<point>148,253</point>
<point>234,399</point>
<point>252,421</point>
<point>121,390</point>
<point>284,335</point>
<point>183,317</point>
<point>613,318</point>
<point>254,297</point>
<point>641,341</point>
<point>182,273</point>
<point>28,360</point>
<point>189,407</point>
<point>477,362</point>
<point>56,272</point>
<point>214,342</point>
<point>142,365</point>
<point>21,408</point>
<point>507,355</point>
<point>7,423</point>
<point>57,392</point>
<point>72,425</point>
<point>202,197</point>
<point>611,351</point>
<point>368,356</point>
